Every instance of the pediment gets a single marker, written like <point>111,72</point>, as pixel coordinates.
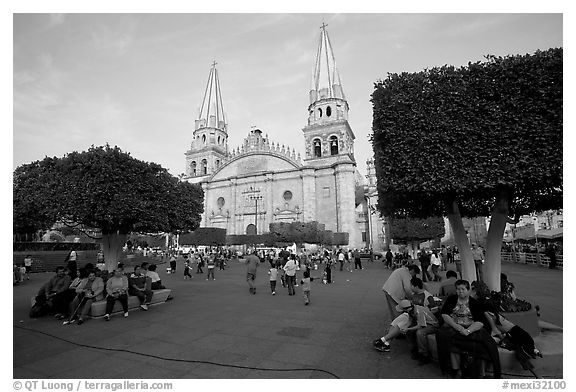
<point>254,163</point>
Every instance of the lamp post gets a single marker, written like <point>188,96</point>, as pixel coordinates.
<point>256,198</point>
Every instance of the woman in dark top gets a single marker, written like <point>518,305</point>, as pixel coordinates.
<point>464,329</point>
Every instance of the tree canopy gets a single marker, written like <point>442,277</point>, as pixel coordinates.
<point>411,229</point>
<point>468,133</point>
<point>483,139</point>
<point>103,188</point>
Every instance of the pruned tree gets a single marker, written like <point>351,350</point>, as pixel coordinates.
<point>104,188</point>
<point>341,239</point>
<point>208,236</point>
<point>297,232</point>
<point>413,231</point>
<point>327,238</point>
<point>480,140</point>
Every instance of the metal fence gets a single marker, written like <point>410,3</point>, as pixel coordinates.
<point>530,258</point>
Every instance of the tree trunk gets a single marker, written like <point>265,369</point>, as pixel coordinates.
<point>494,242</point>
<point>468,269</point>
<point>413,246</point>
<point>113,243</point>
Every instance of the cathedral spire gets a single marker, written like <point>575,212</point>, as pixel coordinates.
<point>328,135</point>
<point>211,112</point>
<point>326,81</point>
<point>209,147</point>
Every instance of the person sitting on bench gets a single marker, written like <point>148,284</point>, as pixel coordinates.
<point>465,330</point>
<point>117,289</point>
<point>139,286</point>
<point>154,277</point>
<point>55,293</point>
<point>90,289</point>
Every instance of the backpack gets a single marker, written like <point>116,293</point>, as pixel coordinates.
<point>40,308</point>
<point>470,365</point>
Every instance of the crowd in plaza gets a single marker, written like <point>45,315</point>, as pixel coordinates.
<point>467,330</point>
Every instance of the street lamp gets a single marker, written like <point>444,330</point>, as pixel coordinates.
<point>256,198</point>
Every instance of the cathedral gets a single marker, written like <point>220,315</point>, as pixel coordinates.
<point>248,187</point>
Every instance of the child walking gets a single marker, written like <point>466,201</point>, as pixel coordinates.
<point>273,272</point>
<point>187,274</point>
<point>211,265</point>
<point>305,282</point>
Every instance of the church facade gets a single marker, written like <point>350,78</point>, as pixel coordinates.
<point>261,182</point>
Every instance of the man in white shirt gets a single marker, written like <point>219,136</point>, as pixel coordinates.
<point>28,266</point>
<point>72,265</point>
<point>341,259</point>
<point>436,263</point>
<point>398,287</point>
<point>290,269</point>
<point>478,256</point>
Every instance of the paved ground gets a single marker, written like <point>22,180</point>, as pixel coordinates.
<point>218,322</point>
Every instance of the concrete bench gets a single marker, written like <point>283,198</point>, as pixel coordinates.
<point>549,342</point>
<point>98,308</point>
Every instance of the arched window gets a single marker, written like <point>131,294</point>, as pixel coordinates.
<point>204,139</point>
<point>333,145</point>
<point>217,163</point>
<point>319,112</point>
<point>251,229</point>
<point>317,148</point>
<point>193,168</point>
<point>218,139</point>
<point>204,166</point>
<point>328,111</point>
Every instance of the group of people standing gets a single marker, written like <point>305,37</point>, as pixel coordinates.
<point>200,259</point>
<point>284,266</point>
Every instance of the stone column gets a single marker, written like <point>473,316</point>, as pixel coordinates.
<point>308,194</point>
<point>345,190</point>
<point>269,203</point>
<point>204,222</point>
<point>231,224</point>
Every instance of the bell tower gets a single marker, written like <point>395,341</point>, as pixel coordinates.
<point>209,144</point>
<point>328,136</point>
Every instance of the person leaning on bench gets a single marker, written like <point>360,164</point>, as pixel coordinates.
<point>117,289</point>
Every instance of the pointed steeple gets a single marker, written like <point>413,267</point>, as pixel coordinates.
<point>328,135</point>
<point>326,82</point>
<point>209,147</point>
<point>211,112</point>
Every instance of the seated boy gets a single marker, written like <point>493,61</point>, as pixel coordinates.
<point>137,286</point>
<point>414,318</point>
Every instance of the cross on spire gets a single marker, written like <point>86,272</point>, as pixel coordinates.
<point>212,101</point>
<point>326,75</point>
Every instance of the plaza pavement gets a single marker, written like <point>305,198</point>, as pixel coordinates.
<point>221,323</point>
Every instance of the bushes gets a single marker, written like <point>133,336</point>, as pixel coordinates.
<point>53,246</point>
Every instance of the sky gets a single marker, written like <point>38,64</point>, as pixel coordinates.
<point>137,80</point>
